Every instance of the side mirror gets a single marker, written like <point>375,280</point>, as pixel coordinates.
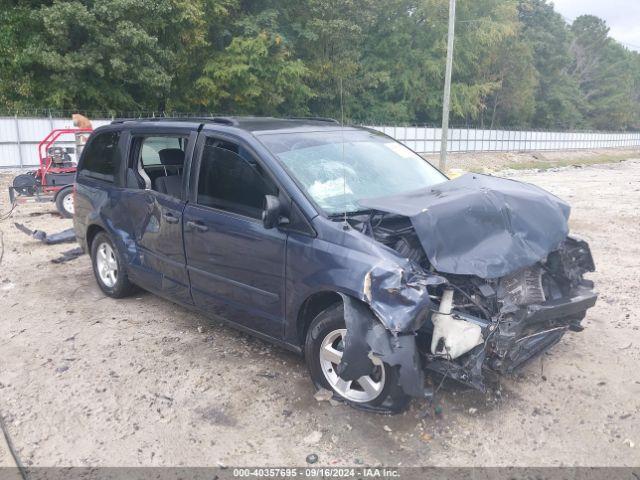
<point>271,212</point>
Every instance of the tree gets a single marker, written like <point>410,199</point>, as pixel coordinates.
<point>602,71</point>
<point>108,54</point>
<point>254,75</point>
<point>494,78</point>
<point>513,102</point>
<point>516,62</point>
<point>557,98</point>
<point>16,82</point>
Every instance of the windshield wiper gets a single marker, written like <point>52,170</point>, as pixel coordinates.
<point>353,213</point>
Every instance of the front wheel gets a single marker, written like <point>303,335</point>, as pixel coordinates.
<point>64,202</point>
<point>324,345</point>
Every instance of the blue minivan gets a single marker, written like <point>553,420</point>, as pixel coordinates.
<point>335,242</point>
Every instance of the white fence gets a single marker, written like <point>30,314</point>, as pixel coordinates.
<point>19,138</point>
<point>427,140</point>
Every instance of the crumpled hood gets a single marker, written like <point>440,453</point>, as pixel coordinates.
<point>482,225</point>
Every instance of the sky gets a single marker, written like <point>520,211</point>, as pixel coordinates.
<point>622,16</point>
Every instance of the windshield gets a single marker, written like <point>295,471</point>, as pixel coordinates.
<point>340,168</point>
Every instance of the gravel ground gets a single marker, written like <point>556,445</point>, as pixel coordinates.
<point>87,380</point>
<point>491,162</point>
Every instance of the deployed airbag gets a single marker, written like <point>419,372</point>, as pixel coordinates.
<point>481,225</point>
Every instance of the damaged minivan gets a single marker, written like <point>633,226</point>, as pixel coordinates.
<point>338,243</point>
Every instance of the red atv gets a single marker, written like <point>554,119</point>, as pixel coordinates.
<point>53,180</point>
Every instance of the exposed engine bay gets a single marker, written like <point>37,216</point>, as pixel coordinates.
<point>505,313</point>
<point>501,317</point>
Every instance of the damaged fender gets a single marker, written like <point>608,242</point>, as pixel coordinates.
<point>399,297</point>
<point>385,297</point>
<point>367,337</point>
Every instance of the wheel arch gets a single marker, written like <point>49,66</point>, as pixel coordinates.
<point>66,187</point>
<point>312,306</point>
<point>92,231</point>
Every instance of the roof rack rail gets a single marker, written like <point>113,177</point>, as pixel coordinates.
<point>142,119</point>
<point>224,120</point>
<point>121,120</point>
<point>220,120</point>
<point>318,119</point>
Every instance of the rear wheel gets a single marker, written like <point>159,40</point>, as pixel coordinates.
<point>108,268</point>
<point>323,351</point>
<point>64,202</point>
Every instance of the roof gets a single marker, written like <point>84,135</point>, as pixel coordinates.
<point>249,124</point>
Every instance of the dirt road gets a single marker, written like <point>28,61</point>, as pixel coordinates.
<point>86,380</point>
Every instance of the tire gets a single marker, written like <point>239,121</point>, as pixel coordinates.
<point>390,399</point>
<point>103,252</point>
<point>64,202</point>
<point>25,184</point>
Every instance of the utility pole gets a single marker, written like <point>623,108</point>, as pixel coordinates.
<point>447,86</point>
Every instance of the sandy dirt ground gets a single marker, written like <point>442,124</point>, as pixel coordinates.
<point>87,380</point>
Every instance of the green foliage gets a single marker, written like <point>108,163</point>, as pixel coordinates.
<point>557,98</point>
<point>16,82</point>
<point>254,75</point>
<point>603,73</point>
<point>516,62</point>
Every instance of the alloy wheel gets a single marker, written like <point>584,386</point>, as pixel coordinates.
<point>107,265</point>
<point>366,388</point>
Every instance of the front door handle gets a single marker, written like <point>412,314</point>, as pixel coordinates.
<point>170,217</point>
<point>199,226</point>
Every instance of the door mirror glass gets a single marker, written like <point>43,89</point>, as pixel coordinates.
<point>271,212</point>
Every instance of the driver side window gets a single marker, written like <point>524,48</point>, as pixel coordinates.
<point>230,179</point>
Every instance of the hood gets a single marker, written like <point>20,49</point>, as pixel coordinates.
<point>481,225</point>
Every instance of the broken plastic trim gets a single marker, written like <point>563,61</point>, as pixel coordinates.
<point>50,239</point>
<point>399,298</point>
<point>68,255</point>
<point>366,336</point>
<point>467,371</point>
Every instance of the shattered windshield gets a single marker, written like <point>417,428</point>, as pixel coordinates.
<point>340,168</point>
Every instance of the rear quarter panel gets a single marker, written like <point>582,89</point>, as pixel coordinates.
<point>91,195</point>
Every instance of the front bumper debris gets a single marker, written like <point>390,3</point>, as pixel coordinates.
<point>516,338</point>
<point>535,328</point>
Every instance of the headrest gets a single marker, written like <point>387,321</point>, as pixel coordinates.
<point>171,156</point>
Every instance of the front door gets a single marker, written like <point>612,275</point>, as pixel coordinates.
<point>235,265</point>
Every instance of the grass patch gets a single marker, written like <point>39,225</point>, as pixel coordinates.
<point>547,164</point>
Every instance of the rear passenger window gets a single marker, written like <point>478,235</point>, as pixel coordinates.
<point>230,179</point>
<point>102,158</point>
<point>159,163</point>
<point>152,146</point>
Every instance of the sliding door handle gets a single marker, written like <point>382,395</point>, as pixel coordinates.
<point>199,226</point>
<point>170,217</point>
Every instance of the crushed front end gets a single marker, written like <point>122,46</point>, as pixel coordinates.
<point>516,317</point>
<point>492,279</point>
